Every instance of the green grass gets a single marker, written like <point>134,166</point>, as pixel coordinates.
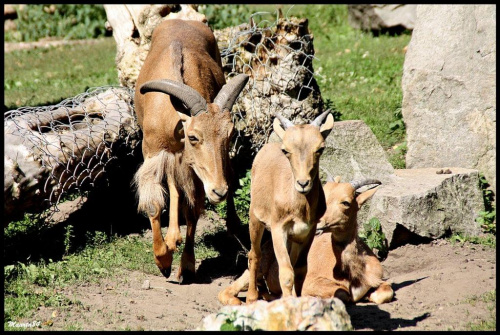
<point>490,299</point>
<point>487,240</point>
<point>46,76</point>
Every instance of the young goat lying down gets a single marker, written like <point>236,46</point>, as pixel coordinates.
<point>339,263</point>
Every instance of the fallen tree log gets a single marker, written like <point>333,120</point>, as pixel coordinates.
<point>53,150</point>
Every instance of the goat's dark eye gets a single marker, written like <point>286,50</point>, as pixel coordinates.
<point>346,203</point>
<point>284,151</point>
<point>193,138</point>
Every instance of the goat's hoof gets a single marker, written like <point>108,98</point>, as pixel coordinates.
<point>166,271</point>
<point>186,277</point>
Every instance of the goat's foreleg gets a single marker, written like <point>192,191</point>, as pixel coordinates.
<point>186,273</point>
<point>382,294</point>
<point>163,259</point>
<point>148,180</point>
<point>254,255</point>
<point>233,222</point>
<point>229,295</point>
<point>173,237</point>
<point>286,273</point>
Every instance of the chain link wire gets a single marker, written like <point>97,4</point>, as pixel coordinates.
<point>73,142</point>
<point>278,56</point>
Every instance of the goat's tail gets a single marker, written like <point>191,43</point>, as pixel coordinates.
<point>149,180</point>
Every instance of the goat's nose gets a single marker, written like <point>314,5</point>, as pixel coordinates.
<point>221,192</point>
<point>303,183</point>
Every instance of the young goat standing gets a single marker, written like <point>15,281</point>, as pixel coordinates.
<point>339,264</point>
<point>287,198</point>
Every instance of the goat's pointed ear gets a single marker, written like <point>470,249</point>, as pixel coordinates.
<point>363,197</point>
<point>278,129</point>
<point>326,127</point>
<point>336,179</point>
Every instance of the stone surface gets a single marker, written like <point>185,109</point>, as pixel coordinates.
<point>449,99</point>
<point>382,17</point>
<point>428,204</point>
<point>291,313</point>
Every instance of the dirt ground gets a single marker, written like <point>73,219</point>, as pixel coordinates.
<point>433,285</point>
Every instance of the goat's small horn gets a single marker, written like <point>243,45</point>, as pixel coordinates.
<point>285,123</point>
<point>320,119</point>
<point>227,95</point>
<point>356,184</point>
<point>329,177</point>
<point>194,102</point>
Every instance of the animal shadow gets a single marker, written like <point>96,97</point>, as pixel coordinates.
<point>372,317</point>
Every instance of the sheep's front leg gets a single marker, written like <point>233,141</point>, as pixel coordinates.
<point>256,231</point>
<point>286,274</point>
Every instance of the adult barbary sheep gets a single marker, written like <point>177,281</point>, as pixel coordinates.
<point>287,198</point>
<point>186,137</point>
<point>339,264</point>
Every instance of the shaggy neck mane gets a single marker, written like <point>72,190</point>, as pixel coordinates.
<point>184,175</point>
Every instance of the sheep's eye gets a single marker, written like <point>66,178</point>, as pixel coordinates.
<point>193,138</point>
<point>346,203</point>
<point>284,151</point>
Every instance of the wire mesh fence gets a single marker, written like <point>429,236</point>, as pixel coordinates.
<point>278,57</point>
<point>55,150</point>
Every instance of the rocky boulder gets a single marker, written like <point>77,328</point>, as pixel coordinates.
<point>425,203</point>
<point>291,313</point>
<point>382,18</point>
<point>449,89</point>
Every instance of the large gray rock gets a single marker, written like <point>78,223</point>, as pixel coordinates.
<point>396,17</point>
<point>428,204</point>
<point>449,89</point>
<point>291,313</point>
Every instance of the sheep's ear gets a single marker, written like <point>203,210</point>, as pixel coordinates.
<point>362,197</point>
<point>278,129</point>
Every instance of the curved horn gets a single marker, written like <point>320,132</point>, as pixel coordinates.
<point>229,92</point>
<point>356,184</point>
<point>285,123</point>
<point>320,119</point>
<point>188,95</point>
